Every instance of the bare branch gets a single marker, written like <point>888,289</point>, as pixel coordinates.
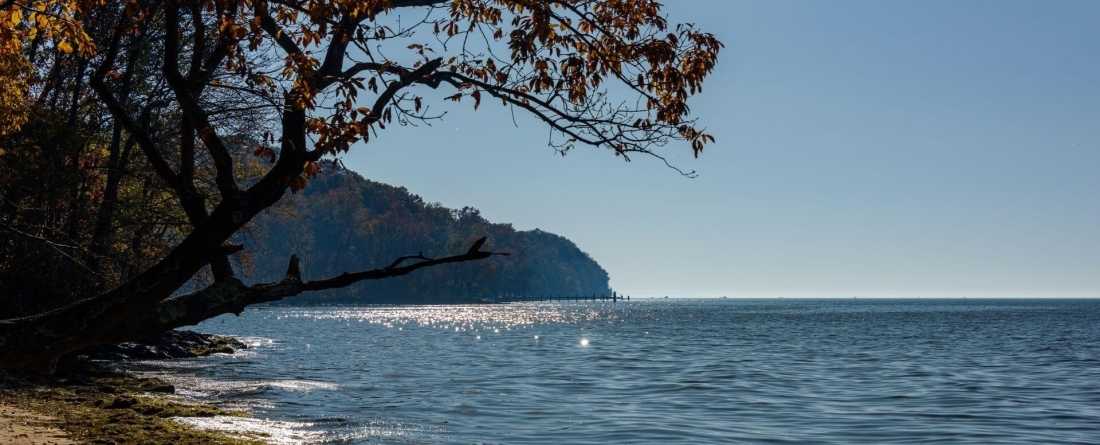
<point>194,112</point>
<point>347,279</point>
<point>231,296</point>
<point>144,140</point>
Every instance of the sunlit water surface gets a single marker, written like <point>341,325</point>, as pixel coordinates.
<point>670,371</point>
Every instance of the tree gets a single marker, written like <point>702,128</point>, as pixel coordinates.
<point>327,75</point>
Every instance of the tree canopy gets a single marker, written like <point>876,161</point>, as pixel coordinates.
<point>172,124</point>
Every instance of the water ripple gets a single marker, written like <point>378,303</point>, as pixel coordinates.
<point>719,371</point>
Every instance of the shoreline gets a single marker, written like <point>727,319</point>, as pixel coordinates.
<point>86,401</point>
<point>94,405</point>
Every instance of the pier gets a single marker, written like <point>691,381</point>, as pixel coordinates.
<point>522,298</point>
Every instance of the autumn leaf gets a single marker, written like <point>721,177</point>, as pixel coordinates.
<point>297,183</point>
<point>264,152</point>
<point>310,169</point>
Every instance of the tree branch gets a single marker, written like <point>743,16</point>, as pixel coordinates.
<point>160,166</point>
<point>223,161</point>
<point>271,27</point>
<point>231,296</point>
<point>406,78</point>
<point>347,279</point>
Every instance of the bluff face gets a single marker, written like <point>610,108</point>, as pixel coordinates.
<point>343,222</point>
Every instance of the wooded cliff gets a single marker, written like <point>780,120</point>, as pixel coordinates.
<point>343,222</point>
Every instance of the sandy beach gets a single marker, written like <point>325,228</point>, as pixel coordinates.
<point>22,427</point>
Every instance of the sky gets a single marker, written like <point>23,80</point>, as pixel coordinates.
<point>864,148</point>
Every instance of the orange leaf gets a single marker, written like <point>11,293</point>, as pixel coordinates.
<point>297,184</point>
<point>310,169</point>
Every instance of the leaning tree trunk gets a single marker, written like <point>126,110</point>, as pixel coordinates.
<point>37,342</point>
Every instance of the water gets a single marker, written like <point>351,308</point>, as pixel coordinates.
<point>669,371</point>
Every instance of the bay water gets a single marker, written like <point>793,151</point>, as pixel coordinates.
<point>980,371</point>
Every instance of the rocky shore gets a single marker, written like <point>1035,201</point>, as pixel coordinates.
<point>171,344</point>
<point>86,401</point>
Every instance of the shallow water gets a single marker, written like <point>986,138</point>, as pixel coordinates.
<point>670,371</point>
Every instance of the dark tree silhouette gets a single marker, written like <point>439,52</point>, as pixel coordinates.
<point>325,75</point>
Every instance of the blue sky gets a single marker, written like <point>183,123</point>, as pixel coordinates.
<point>865,148</point>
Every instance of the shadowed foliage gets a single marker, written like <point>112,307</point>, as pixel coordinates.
<point>151,133</point>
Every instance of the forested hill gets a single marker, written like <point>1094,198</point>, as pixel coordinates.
<point>343,222</point>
